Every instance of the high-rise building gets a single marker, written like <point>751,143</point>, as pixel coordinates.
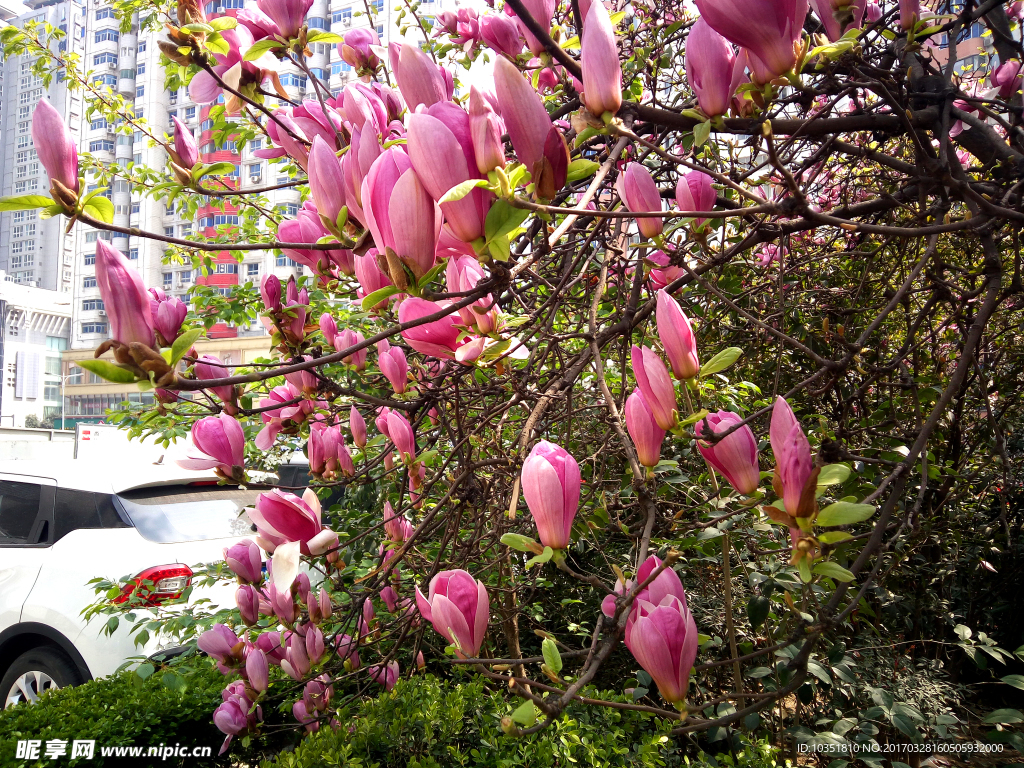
<point>35,251</point>
<point>129,64</point>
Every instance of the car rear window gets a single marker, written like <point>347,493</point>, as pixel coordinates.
<point>188,512</point>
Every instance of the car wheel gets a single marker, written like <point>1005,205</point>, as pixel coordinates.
<point>35,672</point>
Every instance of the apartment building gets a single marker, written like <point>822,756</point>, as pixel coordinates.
<point>33,251</point>
<point>129,64</point>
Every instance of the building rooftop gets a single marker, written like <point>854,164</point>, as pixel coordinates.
<point>31,297</point>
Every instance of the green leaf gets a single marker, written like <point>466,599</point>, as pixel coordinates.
<point>844,513</point>
<point>834,537</point>
<point>224,22</point>
<point>24,202</point>
<point>109,371</point>
<point>198,27</point>
<point>261,47</point>
<point>833,474</point>
<point>694,418</point>
<point>216,169</point>
<point>502,219</point>
<point>378,296</point>
<point>805,570</point>
<point>519,543</point>
<point>581,168</point>
<point>183,344</point>
<point>173,681</point>
<point>462,189</point>
<point>1017,681</point>
<point>701,132</point>
<point>319,36</point>
<point>551,655</point>
<point>546,555</point>
<point>215,44</point>
<point>99,208</point>
<point>721,361</point>
<point>145,670</point>
<point>428,278</point>
<point>833,571</point>
<point>757,610</point>
<point>525,714</point>
<point>1004,717</point>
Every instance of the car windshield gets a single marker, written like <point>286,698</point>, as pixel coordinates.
<point>188,512</point>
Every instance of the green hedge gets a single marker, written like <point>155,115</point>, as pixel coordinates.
<point>121,710</point>
<point>427,723</point>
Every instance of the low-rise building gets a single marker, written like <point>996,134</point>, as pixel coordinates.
<point>34,328</point>
<point>87,397</point>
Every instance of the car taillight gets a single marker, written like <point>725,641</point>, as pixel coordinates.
<point>154,585</point>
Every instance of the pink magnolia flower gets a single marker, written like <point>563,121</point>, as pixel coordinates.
<point>232,69</point>
<point>393,365</point>
<point>653,379</point>
<point>125,298</point>
<point>458,606</point>
<point>357,49</point>
<point>168,314</point>
<point>396,527</point>
<point>735,456</point>
<point>462,274</point>
<point>420,80</point>
<point>385,675</point>
<point>245,561</point>
<point>542,12</point>
<point>347,339</point>
<point>640,195</point>
<point>711,69</point>
<point>501,34</point>
<point>599,60</point>
<point>647,436</point>
<point>211,367</point>
<point>695,193</point>
<point>280,517</point>
<point>793,462</point>
<point>677,337</point>
<point>400,213</point>
<point>661,634</point>
<point>769,29</point>
<point>56,147</point>
<point>357,425</point>
<point>551,486</point>
<point>221,441</point>
<point>370,276</point>
<point>486,130</point>
<point>289,15</point>
<point>439,338</point>
<point>185,147</point>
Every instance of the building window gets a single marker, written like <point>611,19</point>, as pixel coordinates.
<point>290,78</point>
<point>135,207</point>
<point>104,58</point>
<point>169,231</point>
<point>190,113</point>
<point>133,253</point>
<point>104,13</point>
<point>108,80</point>
<point>227,269</point>
<point>107,34</point>
<point>141,68</point>
<point>127,74</point>
<point>252,270</point>
<point>185,277</point>
<point>89,282</point>
<point>140,91</point>
<point>91,305</point>
<point>168,279</point>
<point>103,145</point>
<point>58,343</point>
<point>142,46</point>
<point>284,261</point>
<point>255,171</point>
<point>315,22</point>
<point>98,124</point>
<point>94,327</point>
<point>90,258</point>
<point>255,144</point>
<point>344,16</point>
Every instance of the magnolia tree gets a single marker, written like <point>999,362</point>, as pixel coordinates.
<point>649,350</point>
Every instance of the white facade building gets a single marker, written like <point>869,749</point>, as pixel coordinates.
<point>34,325</point>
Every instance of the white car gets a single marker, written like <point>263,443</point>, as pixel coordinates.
<point>65,523</point>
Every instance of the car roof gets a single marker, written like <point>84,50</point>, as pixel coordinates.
<point>105,476</point>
